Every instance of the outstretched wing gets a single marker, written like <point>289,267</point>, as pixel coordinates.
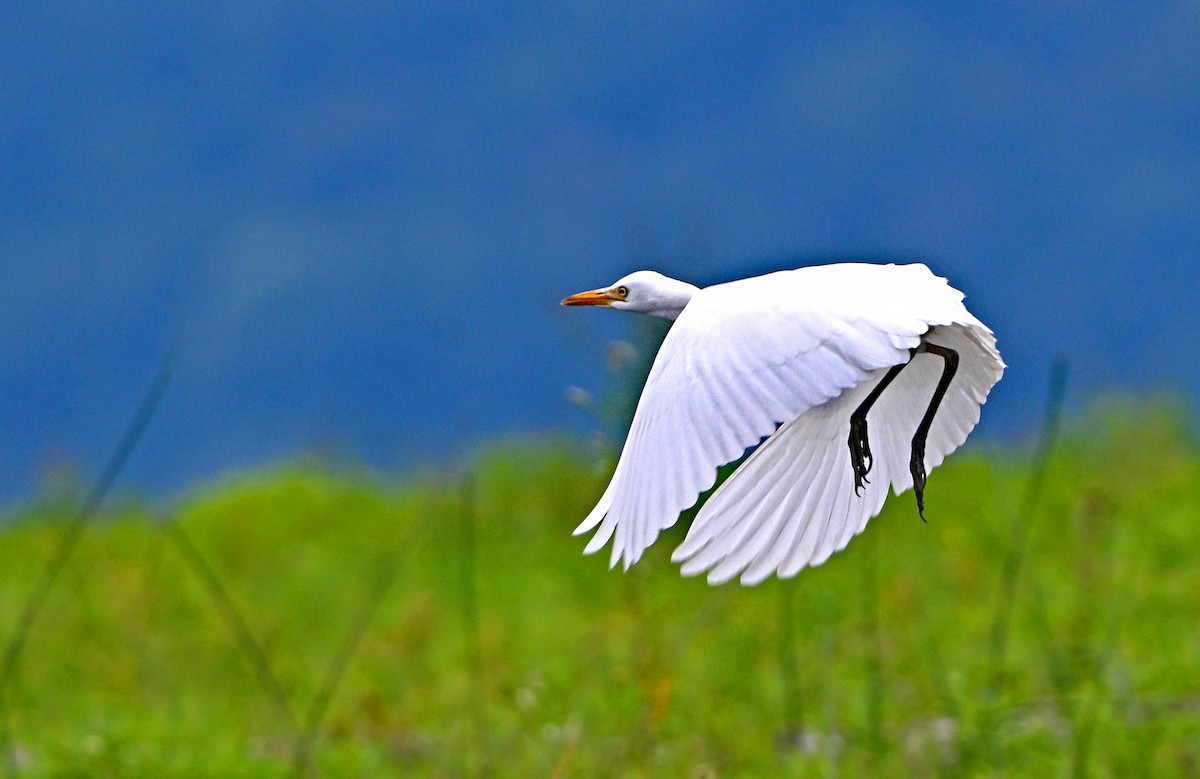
<point>744,357</point>
<point>792,503</point>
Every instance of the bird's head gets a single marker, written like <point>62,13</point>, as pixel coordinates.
<point>644,291</point>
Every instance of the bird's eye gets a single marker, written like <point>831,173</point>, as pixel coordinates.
<point>622,292</point>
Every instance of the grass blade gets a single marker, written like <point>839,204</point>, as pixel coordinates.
<point>874,703</point>
<point>389,564</point>
<point>70,538</point>
<point>237,624</point>
<point>998,645</point>
<point>789,670</point>
<point>473,755</point>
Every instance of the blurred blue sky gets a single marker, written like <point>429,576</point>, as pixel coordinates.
<point>364,215</point>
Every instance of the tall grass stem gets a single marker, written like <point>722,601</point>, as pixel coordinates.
<point>874,687</point>
<point>70,538</point>
<point>793,704</point>
<point>389,564</point>
<point>1006,598</point>
<point>233,619</point>
<point>474,756</point>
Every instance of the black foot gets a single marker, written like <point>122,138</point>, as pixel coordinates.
<point>860,452</point>
<point>860,449</point>
<point>916,465</point>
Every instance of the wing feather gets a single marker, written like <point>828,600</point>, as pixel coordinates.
<point>809,534</point>
<point>819,512</point>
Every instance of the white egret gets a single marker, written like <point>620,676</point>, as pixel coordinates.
<point>796,362</point>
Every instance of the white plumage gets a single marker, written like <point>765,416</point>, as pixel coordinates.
<point>785,357</point>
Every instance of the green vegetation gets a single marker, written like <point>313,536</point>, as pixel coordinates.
<point>497,650</point>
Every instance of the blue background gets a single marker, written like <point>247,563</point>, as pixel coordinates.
<point>363,216</point>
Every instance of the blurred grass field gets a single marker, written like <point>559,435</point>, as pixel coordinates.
<point>498,650</point>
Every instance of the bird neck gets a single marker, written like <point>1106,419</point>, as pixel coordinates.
<point>671,298</point>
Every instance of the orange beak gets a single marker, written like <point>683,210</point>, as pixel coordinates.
<point>596,297</point>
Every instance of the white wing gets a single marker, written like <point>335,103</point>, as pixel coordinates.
<point>745,356</point>
<point>793,504</point>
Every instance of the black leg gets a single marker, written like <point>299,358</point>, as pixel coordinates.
<point>917,463</point>
<point>860,448</point>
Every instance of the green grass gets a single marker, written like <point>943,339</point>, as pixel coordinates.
<point>497,650</point>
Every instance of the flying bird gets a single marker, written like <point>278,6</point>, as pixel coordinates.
<point>844,380</point>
